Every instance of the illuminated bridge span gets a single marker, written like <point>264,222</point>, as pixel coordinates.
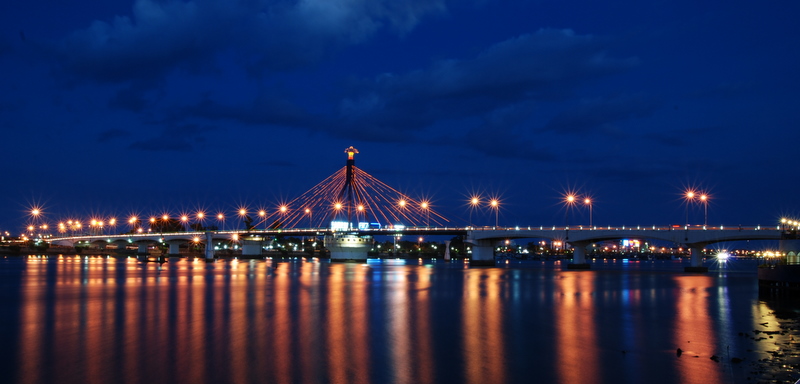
<point>349,208</point>
<point>354,244</point>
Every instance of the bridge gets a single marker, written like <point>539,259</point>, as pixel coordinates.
<point>354,245</point>
<point>350,208</point>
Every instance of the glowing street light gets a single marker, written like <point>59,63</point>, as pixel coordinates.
<point>425,206</point>
<point>588,202</point>
<point>569,200</point>
<point>474,202</point>
<point>495,204</point>
<point>185,222</point>
<point>263,215</point>
<point>689,197</point>
<point>704,201</point>
<point>221,220</point>
<point>308,212</point>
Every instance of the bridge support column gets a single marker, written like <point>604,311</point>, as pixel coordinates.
<point>790,248</point>
<point>482,253</point>
<point>252,247</point>
<point>578,256</point>
<point>174,247</point>
<point>209,246</point>
<point>345,247</point>
<point>142,248</point>
<point>696,259</point>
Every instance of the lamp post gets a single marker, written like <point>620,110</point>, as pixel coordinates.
<point>425,206</point>
<point>588,201</point>
<point>243,215</point>
<point>263,215</point>
<point>284,209</point>
<point>704,200</point>
<point>495,204</point>
<point>474,202</point>
<point>570,201</point>
<point>221,220</point>
<point>689,198</point>
<point>199,217</point>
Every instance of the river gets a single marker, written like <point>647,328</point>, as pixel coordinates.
<point>79,319</point>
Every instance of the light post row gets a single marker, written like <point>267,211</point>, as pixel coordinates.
<point>96,226</point>
<point>571,199</point>
<point>690,196</point>
<point>493,203</point>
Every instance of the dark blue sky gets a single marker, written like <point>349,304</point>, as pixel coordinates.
<point>113,107</point>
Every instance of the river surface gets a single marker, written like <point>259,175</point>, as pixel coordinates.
<point>78,319</point>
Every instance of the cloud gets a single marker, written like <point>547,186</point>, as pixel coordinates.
<point>159,37</point>
<point>111,134</point>
<point>591,115</point>
<point>175,138</point>
<point>270,107</point>
<point>542,66</point>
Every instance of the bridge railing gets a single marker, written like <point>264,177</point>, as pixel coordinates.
<point>417,229</point>
<point>631,228</point>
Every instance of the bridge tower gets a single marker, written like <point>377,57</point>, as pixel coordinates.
<point>348,245</point>
<point>347,196</point>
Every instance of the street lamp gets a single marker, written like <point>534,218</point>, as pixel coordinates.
<point>263,214</point>
<point>221,220</point>
<point>704,201</point>
<point>588,201</point>
<point>425,206</point>
<point>495,204</point>
<point>689,197</point>
<point>473,202</point>
<point>185,222</point>
<point>310,223</point>
<point>570,201</point>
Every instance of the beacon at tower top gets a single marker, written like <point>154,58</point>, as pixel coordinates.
<point>350,152</point>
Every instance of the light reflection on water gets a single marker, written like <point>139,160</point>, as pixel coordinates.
<point>73,319</point>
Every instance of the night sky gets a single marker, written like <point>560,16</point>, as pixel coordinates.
<point>116,107</point>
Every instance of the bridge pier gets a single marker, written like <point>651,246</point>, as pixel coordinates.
<point>579,255</point>
<point>252,247</point>
<point>696,259</point>
<point>175,247</point>
<point>348,247</point>
<point>482,253</point>
<point>142,247</point>
<point>209,246</point>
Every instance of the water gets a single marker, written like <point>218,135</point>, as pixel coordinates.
<point>101,320</point>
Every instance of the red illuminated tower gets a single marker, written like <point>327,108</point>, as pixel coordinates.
<point>348,192</point>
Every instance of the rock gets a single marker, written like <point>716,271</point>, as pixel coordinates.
<point>736,360</point>
<point>715,358</point>
<point>678,352</point>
